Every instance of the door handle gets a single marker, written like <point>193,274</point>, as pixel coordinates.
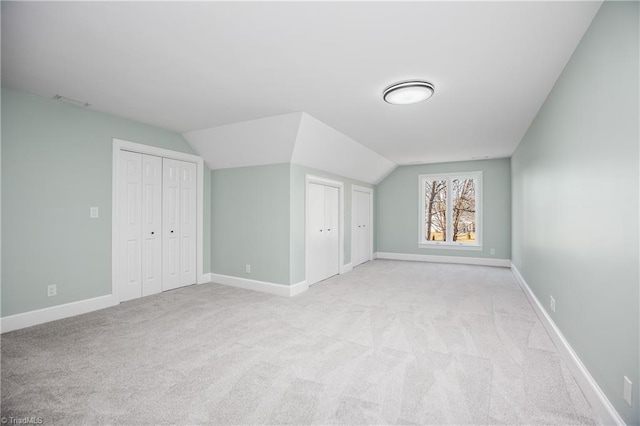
<point>152,232</point>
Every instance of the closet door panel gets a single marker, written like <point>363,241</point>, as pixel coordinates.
<point>187,223</point>
<point>315,232</point>
<point>365,215</point>
<point>170,224</point>
<point>130,226</point>
<point>151,224</point>
<point>332,220</point>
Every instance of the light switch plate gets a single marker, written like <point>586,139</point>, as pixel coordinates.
<point>93,212</point>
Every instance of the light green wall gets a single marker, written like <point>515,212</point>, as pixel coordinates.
<point>258,218</point>
<point>250,222</point>
<point>397,209</point>
<point>56,163</point>
<point>297,231</point>
<point>575,202</point>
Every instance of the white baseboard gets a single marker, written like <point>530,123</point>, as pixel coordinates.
<point>40,316</point>
<point>375,256</point>
<point>346,268</point>
<point>204,278</point>
<point>261,286</point>
<point>484,261</point>
<point>298,288</point>
<point>597,399</point>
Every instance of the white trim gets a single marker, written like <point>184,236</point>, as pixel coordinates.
<point>483,261</point>
<point>336,184</point>
<point>597,399</point>
<point>261,286</point>
<point>422,241</point>
<point>121,145</point>
<point>347,268</point>
<point>53,313</point>
<point>369,191</point>
<point>298,288</point>
<point>440,245</point>
<point>375,255</point>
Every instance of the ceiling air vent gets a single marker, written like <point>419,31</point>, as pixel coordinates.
<point>71,101</point>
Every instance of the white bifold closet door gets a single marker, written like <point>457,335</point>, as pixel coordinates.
<point>178,223</point>
<point>361,227</point>
<point>157,214</point>
<point>323,258</point>
<point>140,225</point>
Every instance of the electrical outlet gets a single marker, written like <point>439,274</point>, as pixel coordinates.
<point>552,303</point>
<point>93,212</point>
<point>52,290</point>
<point>628,388</point>
<point>492,251</point>
<point>247,269</point>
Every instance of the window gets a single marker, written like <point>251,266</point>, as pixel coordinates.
<point>450,210</point>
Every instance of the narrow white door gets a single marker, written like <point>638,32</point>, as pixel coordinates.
<point>187,223</point>
<point>170,224</point>
<point>332,240</point>
<point>151,225</point>
<point>130,206</point>
<point>323,257</point>
<point>361,227</point>
<point>315,232</point>
<point>178,223</point>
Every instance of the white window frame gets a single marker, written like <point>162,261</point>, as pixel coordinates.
<point>449,177</point>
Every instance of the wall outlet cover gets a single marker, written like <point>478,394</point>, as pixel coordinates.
<point>52,290</point>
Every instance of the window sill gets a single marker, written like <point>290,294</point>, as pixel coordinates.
<point>449,246</point>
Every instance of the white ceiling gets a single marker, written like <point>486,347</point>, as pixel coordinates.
<point>190,66</point>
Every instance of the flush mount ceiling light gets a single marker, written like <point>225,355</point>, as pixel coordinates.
<point>408,92</point>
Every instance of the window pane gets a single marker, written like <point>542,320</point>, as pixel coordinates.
<point>463,192</point>
<point>435,213</point>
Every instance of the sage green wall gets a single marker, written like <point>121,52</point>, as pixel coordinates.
<point>56,163</point>
<point>397,209</point>
<point>297,231</point>
<point>575,202</point>
<point>250,222</point>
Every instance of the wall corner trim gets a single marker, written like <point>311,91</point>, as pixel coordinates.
<point>597,399</point>
<point>261,286</point>
<point>53,313</point>
<point>482,261</point>
<point>346,268</point>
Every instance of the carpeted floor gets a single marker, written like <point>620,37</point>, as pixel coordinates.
<point>389,343</point>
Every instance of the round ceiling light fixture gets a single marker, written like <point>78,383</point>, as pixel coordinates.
<point>408,92</point>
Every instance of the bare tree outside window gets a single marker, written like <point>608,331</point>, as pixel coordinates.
<point>436,210</point>
<point>450,202</point>
<point>463,193</point>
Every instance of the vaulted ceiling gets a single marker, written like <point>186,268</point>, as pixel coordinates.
<point>198,65</point>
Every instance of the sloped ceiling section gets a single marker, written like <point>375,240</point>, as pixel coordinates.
<point>290,138</point>
<point>323,147</point>
<point>249,143</point>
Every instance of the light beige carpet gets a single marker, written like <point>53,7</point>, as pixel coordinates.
<point>389,343</point>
